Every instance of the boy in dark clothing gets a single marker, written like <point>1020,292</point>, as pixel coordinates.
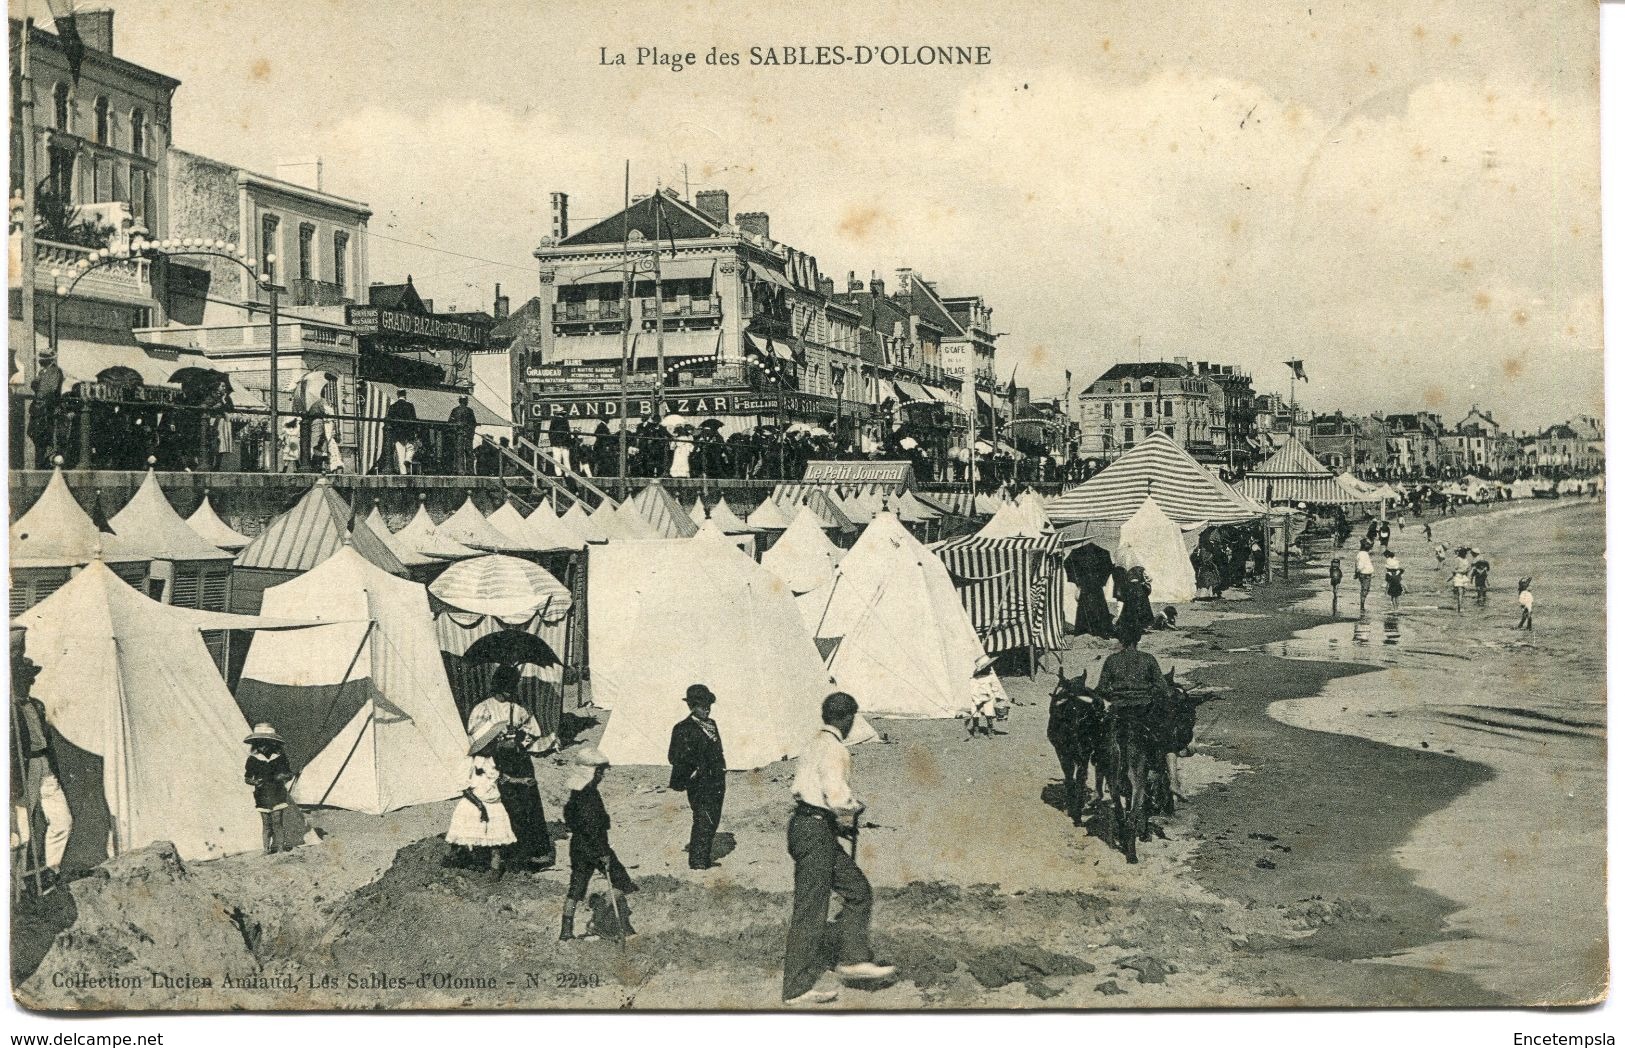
<point>270,774</point>
<point>590,852</point>
<point>699,769</point>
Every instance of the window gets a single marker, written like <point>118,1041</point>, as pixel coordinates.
<point>102,190</point>
<point>61,175</point>
<point>140,204</point>
<point>268,236</point>
<point>1147,386</point>
<point>1167,409</point>
<point>1168,430</point>
<point>103,131</point>
<point>1128,436</point>
<point>1106,410</point>
<point>63,118</point>
<point>307,241</point>
<point>138,132</point>
<point>1128,409</point>
<point>341,259</point>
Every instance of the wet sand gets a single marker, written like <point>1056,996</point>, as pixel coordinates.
<point>1297,874</point>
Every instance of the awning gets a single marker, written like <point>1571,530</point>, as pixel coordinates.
<point>772,349</point>
<point>608,276</point>
<point>985,400</point>
<point>434,405</point>
<point>911,391</point>
<point>937,394</point>
<point>772,276</point>
<point>681,269</point>
<point>84,361</point>
<point>680,345</point>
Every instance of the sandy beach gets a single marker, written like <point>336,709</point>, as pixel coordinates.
<point>1409,824</point>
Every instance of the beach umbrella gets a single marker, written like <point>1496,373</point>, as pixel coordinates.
<point>512,648</point>
<point>506,587</point>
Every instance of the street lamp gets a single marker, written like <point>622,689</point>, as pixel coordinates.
<point>839,378</point>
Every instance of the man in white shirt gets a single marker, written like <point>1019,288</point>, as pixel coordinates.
<point>824,805</point>
<point>1363,570</point>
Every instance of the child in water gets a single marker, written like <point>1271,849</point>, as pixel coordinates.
<point>1526,602</point>
<point>1393,577</point>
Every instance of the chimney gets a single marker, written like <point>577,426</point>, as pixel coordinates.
<point>561,215</point>
<point>96,29</point>
<point>826,286</point>
<point>854,286</point>
<point>1183,362</point>
<point>877,287</point>
<point>301,171</point>
<point>713,204</point>
<point>499,306</point>
<point>754,223</point>
<point>905,279</point>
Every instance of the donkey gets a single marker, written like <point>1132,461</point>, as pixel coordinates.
<point>1076,719</point>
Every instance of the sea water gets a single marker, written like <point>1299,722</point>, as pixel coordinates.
<point>1523,854</point>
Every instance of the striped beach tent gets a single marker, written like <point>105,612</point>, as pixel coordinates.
<point>1013,589</point>
<point>663,513</point>
<point>1185,489</point>
<point>1293,474</point>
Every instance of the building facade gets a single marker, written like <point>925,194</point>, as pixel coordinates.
<point>1130,401</point>
<point>1416,445</point>
<point>1355,443</point>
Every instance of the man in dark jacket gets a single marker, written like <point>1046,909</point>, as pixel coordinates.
<point>699,769</point>
<point>400,430</point>
<point>463,424</point>
<point>45,412</point>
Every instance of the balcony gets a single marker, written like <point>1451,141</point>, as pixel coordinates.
<point>683,311</point>
<point>593,311</point>
<point>127,280</point>
<point>252,340</point>
<point>303,291</point>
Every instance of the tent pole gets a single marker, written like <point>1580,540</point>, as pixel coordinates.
<point>34,855</point>
<point>355,745</point>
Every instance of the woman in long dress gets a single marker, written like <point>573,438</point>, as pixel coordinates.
<point>519,738</point>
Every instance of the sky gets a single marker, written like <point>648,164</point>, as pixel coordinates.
<point>1402,194</point>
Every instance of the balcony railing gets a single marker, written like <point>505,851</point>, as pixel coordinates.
<point>303,291</point>
<point>226,340</point>
<point>591,312</point>
<point>685,306</point>
<point>127,278</point>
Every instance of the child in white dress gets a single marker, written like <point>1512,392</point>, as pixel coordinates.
<point>479,823</point>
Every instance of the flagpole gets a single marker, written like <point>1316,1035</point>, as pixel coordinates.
<point>29,364</point>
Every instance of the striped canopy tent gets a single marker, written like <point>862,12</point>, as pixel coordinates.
<point>469,526</point>
<point>1293,475</point>
<point>1185,489</point>
<point>1013,588</point>
<point>315,528</point>
<point>1359,488</point>
<point>486,595</point>
<point>664,515</point>
<point>211,529</point>
<point>422,535</point>
<point>726,519</point>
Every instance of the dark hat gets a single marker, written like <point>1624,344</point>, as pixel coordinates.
<point>699,695</point>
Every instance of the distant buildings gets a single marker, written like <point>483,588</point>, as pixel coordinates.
<point>1131,401</point>
<point>1355,443</point>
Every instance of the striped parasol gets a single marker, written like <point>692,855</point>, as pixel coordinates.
<point>506,587</point>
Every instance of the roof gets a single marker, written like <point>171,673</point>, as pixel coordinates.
<point>1185,489</point>
<point>663,513</point>
<point>678,221</point>
<point>396,296</point>
<point>925,304</point>
<point>1145,369</point>
<point>1292,460</point>
<point>150,519</point>
<point>315,528</point>
<point>1291,488</point>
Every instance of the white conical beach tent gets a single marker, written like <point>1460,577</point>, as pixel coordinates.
<point>211,529</point>
<point>373,675</point>
<point>726,519</point>
<point>1031,505</point>
<point>668,613</point>
<point>696,512</point>
<point>804,557</point>
<point>1151,541</point>
<point>149,518</point>
<point>422,536</point>
<point>1010,522</point>
<point>769,516</point>
<point>129,680</point>
<point>903,643</point>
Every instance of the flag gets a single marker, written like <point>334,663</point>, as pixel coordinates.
<point>67,30</point>
<point>1297,370</point>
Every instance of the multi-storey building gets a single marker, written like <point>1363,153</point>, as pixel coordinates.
<point>1480,445</point>
<point>101,129</point>
<point>743,329</point>
<point>1242,446</point>
<point>1130,401</point>
<point>1356,443</point>
<point>1567,448</point>
<point>1415,444</point>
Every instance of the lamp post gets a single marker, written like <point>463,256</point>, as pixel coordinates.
<point>139,246</point>
<point>839,379</point>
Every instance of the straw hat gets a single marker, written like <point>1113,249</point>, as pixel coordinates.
<point>264,733</point>
<point>587,762</point>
